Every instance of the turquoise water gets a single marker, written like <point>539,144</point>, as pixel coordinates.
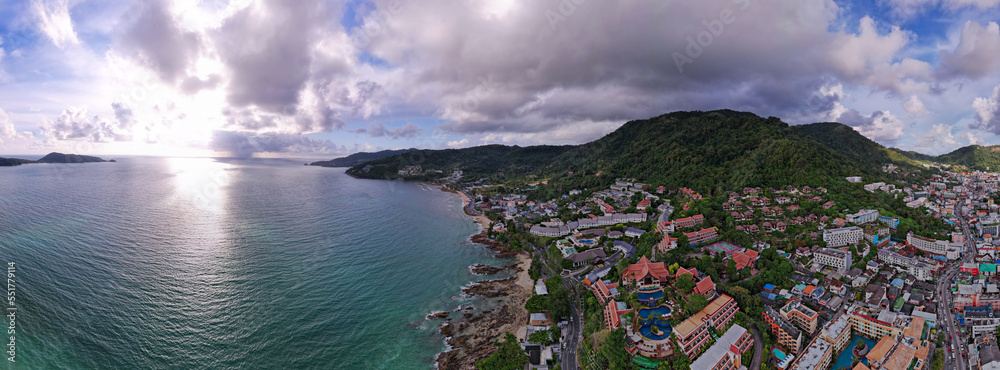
<point>846,357</point>
<point>199,263</point>
<point>654,316</point>
<point>777,353</point>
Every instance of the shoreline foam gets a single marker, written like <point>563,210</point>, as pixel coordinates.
<point>473,336</point>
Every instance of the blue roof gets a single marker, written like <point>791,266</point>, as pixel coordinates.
<point>769,286</point>
<point>897,282</point>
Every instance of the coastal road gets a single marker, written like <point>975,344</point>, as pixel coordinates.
<point>758,348</point>
<point>575,330</point>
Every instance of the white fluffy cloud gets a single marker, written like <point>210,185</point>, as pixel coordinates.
<point>987,112</point>
<point>880,126</point>
<point>939,139</point>
<point>977,54</point>
<point>7,130</point>
<point>914,106</point>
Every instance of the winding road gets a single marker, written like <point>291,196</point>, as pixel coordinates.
<point>758,348</point>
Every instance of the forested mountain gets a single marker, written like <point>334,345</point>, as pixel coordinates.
<point>708,151</point>
<point>488,161</point>
<point>8,162</point>
<point>863,151</point>
<point>357,158</point>
<point>976,157</point>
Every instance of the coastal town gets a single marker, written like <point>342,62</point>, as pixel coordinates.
<point>875,275</point>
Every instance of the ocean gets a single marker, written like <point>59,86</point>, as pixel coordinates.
<point>217,263</point>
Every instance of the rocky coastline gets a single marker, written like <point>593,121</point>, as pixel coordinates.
<point>471,336</point>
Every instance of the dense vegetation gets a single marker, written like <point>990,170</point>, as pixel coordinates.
<point>976,157</point>
<point>508,356</point>
<point>8,162</point>
<point>859,149</point>
<point>708,151</point>
<point>358,158</point>
<point>489,161</point>
<point>52,158</point>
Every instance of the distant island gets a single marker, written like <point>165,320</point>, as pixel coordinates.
<point>358,158</point>
<point>53,158</point>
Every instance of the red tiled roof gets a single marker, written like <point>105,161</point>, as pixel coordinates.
<point>704,286</point>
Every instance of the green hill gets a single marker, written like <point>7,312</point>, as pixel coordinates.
<point>708,151</point>
<point>358,158</point>
<point>861,150</point>
<point>489,161</point>
<point>976,157</point>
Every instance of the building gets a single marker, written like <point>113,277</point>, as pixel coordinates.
<point>989,353</point>
<point>871,327</point>
<point>604,290</point>
<point>842,236</point>
<point>824,347</point>
<point>919,270</point>
<point>727,352</point>
<point>834,258</point>
<point>938,247</point>
<point>789,336</point>
<point>800,315</point>
<point>646,273</point>
<point>587,256</point>
<point>854,179</point>
<point>613,314</point>
<point>687,222</point>
<point>702,236</point>
<point>692,334</point>
<point>863,216</point>
<point>891,222</point>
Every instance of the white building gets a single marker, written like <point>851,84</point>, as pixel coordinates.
<point>842,236</point>
<point>854,179</point>
<point>835,258</point>
<point>874,186</point>
<point>919,270</point>
<point>863,216</point>
<point>939,247</point>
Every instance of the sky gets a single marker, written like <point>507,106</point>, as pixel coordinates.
<point>324,79</point>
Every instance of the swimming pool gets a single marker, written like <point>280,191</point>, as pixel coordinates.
<point>658,316</point>
<point>846,357</point>
<point>650,297</point>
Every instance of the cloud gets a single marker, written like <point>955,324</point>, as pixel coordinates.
<point>54,21</point>
<point>267,48</point>
<point>153,37</point>
<point>987,112</point>
<point>939,139</point>
<point>914,106</point>
<point>458,143</point>
<point>74,123</point>
<point>972,139</point>
<point>377,129</point>
<point>977,53</point>
<point>855,55</point>
<point>8,131</point>
<point>245,144</point>
<point>880,126</point>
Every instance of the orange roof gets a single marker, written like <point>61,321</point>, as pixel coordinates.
<point>704,286</point>
<point>643,268</point>
<point>881,349</point>
<point>901,358</point>
<point>809,289</point>
<point>916,328</point>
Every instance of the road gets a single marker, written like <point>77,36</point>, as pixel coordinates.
<point>945,302</point>
<point>758,348</point>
